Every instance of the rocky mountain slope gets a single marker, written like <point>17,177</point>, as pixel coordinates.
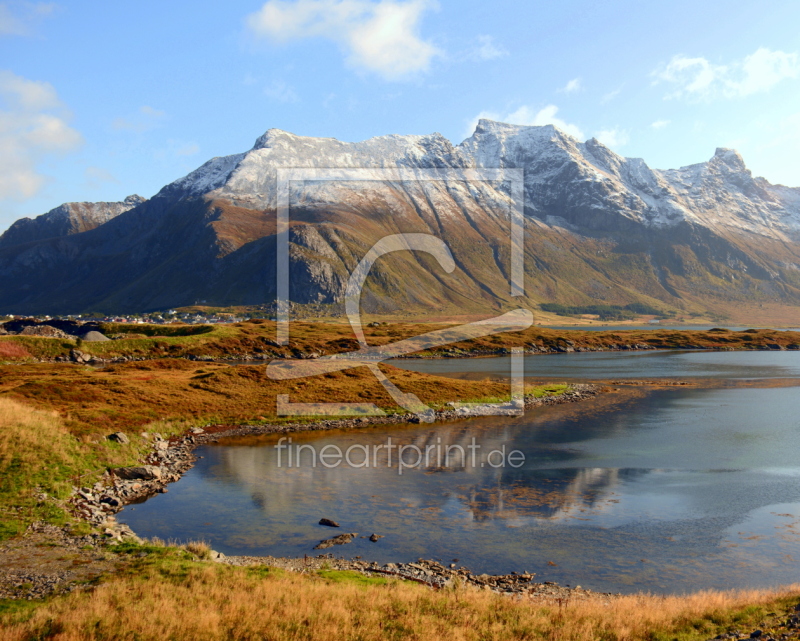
<point>66,219</point>
<point>600,228</point>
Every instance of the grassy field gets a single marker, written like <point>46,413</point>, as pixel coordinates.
<point>53,421</point>
<point>165,594</point>
<point>257,337</point>
<point>54,418</point>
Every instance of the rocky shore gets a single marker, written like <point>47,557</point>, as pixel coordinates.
<point>169,459</point>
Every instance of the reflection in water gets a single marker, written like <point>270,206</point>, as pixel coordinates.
<point>594,365</point>
<point>669,490</point>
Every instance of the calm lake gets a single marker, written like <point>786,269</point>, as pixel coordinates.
<point>666,490</point>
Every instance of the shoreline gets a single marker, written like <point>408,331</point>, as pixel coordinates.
<point>169,459</point>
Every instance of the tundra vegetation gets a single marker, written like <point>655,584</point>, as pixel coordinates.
<point>54,419</point>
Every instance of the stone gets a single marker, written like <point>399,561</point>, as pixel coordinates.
<point>336,540</point>
<point>142,473</point>
<point>374,537</point>
<point>47,331</point>
<point>197,430</point>
<point>328,522</point>
<point>118,437</point>
<point>77,356</point>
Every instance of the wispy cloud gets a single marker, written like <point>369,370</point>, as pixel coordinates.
<point>21,18</point>
<point>382,37</point>
<point>145,119</point>
<point>279,91</point>
<point>487,49</point>
<point>572,86</point>
<point>608,97</point>
<point>700,79</point>
<point>96,177</point>
<point>528,116</point>
<point>33,125</point>
<point>660,124</point>
<point>614,138</point>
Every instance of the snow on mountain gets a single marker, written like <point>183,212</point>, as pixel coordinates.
<point>572,183</point>
<point>66,219</point>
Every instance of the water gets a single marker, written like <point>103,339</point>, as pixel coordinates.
<point>621,365</point>
<point>668,489</point>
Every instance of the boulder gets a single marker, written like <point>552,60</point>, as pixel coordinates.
<point>47,331</point>
<point>118,437</point>
<point>139,473</point>
<point>374,537</point>
<point>77,356</point>
<point>328,522</point>
<point>336,540</point>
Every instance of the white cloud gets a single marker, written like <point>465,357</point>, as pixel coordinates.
<point>660,124</point>
<point>96,177</point>
<point>613,137</point>
<point>145,119</point>
<point>33,125</point>
<point>572,86</point>
<point>382,37</point>
<point>19,18</point>
<point>610,96</point>
<point>487,49</point>
<point>699,79</point>
<point>187,149</point>
<point>527,116</point>
<point>279,91</point>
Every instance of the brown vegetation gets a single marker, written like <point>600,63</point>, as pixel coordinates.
<point>127,396</point>
<point>256,338</point>
<point>182,600</point>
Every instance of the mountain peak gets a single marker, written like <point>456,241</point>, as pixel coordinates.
<point>270,135</point>
<point>729,157</point>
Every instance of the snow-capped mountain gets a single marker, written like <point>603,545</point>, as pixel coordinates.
<point>66,219</point>
<point>600,228</point>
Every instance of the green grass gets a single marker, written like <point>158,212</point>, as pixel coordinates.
<point>39,456</point>
<point>549,390</point>
<point>352,577</point>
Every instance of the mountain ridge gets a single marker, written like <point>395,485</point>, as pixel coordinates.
<point>600,227</point>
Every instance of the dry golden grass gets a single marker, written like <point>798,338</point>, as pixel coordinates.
<point>195,602</point>
<point>200,549</point>
<point>129,396</point>
<point>39,455</point>
<point>36,451</point>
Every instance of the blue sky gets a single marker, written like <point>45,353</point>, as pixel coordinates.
<point>102,100</point>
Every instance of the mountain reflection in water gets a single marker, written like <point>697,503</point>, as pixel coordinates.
<point>666,489</point>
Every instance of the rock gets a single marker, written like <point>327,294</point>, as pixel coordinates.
<point>48,331</point>
<point>94,337</point>
<point>142,472</point>
<point>336,540</point>
<point>77,356</point>
<point>328,522</point>
<point>118,437</point>
<point>374,537</point>
<point>197,430</point>
<point>162,445</point>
